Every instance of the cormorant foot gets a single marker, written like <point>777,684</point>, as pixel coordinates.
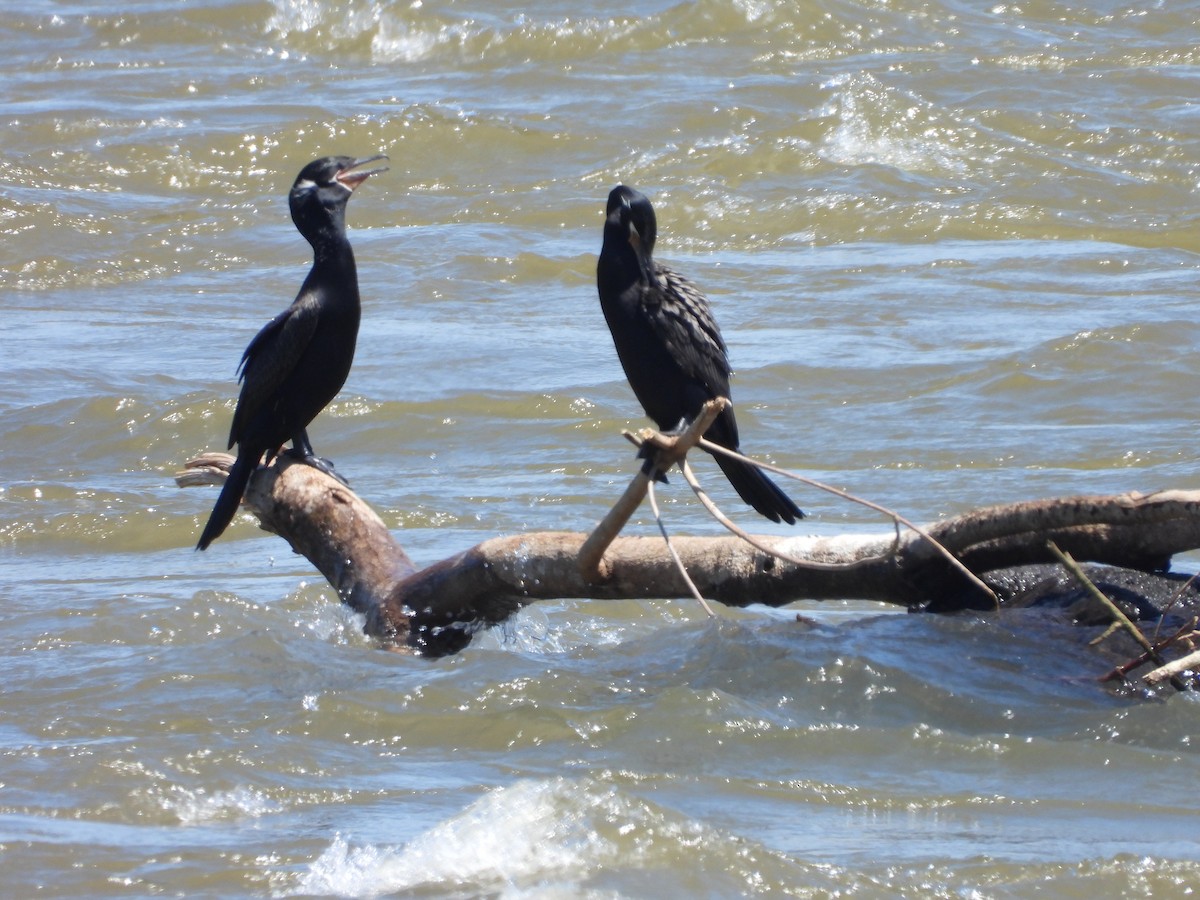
<point>647,453</point>
<point>317,462</point>
<point>326,466</point>
<point>680,427</point>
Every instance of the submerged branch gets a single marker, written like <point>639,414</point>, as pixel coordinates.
<point>1118,615</point>
<point>1172,670</point>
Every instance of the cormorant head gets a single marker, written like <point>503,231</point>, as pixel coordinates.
<point>630,213</point>
<point>320,192</point>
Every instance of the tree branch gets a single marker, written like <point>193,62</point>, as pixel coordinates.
<point>436,609</point>
<point>325,522</point>
<point>661,452</point>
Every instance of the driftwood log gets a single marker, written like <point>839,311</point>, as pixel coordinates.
<point>436,609</point>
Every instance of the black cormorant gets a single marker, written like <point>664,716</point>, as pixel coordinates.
<point>669,343</point>
<point>300,359</point>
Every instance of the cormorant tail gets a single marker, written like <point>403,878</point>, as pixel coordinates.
<point>753,486</point>
<point>227,503</point>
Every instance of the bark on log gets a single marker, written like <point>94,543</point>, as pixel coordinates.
<point>436,609</point>
<point>325,522</point>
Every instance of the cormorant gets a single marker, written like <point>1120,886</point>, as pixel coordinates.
<point>300,359</point>
<point>669,343</point>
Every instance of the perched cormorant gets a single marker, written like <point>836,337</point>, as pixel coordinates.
<point>669,343</point>
<point>300,359</point>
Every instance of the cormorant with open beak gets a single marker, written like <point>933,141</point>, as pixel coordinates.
<point>300,359</point>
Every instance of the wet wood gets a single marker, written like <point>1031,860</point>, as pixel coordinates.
<point>325,522</point>
<point>436,609</point>
<point>1174,668</point>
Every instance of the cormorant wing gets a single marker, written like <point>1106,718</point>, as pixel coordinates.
<point>680,315</point>
<point>683,320</point>
<point>271,357</point>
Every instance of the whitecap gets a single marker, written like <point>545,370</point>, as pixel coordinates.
<point>534,835</point>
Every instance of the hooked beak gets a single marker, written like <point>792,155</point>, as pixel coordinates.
<point>352,177</point>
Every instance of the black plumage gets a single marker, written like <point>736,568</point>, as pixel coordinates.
<point>669,343</point>
<point>300,359</point>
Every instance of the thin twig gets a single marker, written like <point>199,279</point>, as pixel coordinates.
<point>1108,632</point>
<point>687,579</point>
<point>1117,613</point>
<point>846,495</point>
<point>1176,599</point>
<point>1119,672</point>
<point>715,511</point>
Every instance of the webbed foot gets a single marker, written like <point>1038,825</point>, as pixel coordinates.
<point>317,462</point>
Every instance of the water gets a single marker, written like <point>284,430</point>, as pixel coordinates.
<point>953,249</point>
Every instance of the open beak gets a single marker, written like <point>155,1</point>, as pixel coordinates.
<point>352,176</point>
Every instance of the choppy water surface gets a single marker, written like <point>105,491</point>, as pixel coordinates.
<point>953,248</point>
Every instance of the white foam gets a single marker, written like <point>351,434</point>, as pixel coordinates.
<point>543,836</point>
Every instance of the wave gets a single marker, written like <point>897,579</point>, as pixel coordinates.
<point>559,835</point>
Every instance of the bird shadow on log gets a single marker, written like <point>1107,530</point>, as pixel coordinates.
<point>1128,540</point>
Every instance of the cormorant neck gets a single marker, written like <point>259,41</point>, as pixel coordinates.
<point>322,224</point>
<point>328,237</point>
<point>331,248</point>
<point>648,269</point>
<point>618,266</point>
